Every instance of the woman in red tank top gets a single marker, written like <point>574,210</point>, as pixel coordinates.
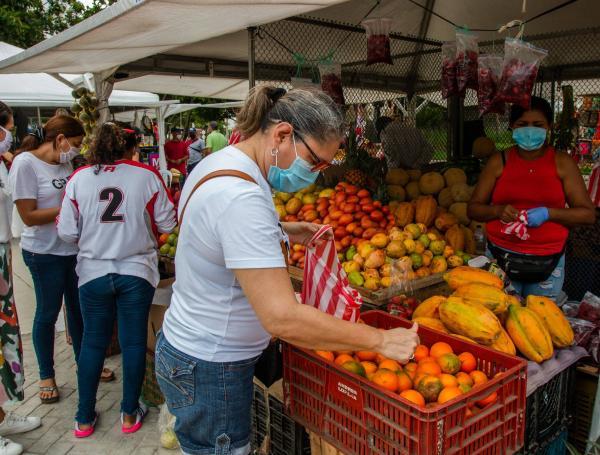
<point>532,177</point>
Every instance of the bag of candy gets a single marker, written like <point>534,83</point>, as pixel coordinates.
<point>378,40</point>
<point>331,81</point>
<point>489,72</point>
<point>521,63</point>
<point>449,87</point>
<point>467,53</point>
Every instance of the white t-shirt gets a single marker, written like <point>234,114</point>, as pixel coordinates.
<point>5,205</point>
<point>115,216</point>
<point>32,178</point>
<point>229,224</point>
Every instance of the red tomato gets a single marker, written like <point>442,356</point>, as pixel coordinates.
<point>346,241</point>
<point>352,199</point>
<point>339,198</point>
<point>369,233</point>
<point>368,208</point>
<point>350,227</point>
<point>336,215</point>
<point>311,215</point>
<point>363,193</point>
<point>345,219</point>
<point>358,232</point>
<point>351,189</point>
<point>349,208</point>
<point>377,204</point>
<point>377,215</point>
<point>339,233</point>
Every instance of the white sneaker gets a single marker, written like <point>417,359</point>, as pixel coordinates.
<point>7,447</point>
<point>14,423</point>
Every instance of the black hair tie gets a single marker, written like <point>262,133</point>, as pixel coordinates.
<point>275,94</point>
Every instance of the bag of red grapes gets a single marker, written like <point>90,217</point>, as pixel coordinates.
<point>521,63</point>
<point>467,53</point>
<point>449,87</point>
<point>378,40</point>
<point>331,81</point>
<point>489,72</point>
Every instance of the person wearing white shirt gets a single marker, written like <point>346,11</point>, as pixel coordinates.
<point>11,368</point>
<point>114,209</point>
<point>37,177</point>
<point>232,291</point>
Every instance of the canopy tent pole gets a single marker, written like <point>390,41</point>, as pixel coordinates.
<point>39,116</point>
<point>103,87</point>
<point>251,56</point>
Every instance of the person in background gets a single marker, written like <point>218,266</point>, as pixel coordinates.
<point>37,182</point>
<point>132,141</point>
<point>196,152</point>
<point>215,140</point>
<point>403,145</point>
<point>532,177</point>
<point>114,210</point>
<point>12,376</point>
<point>176,151</point>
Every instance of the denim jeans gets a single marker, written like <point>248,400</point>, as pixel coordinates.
<point>211,401</point>
<point>129,298</point>
<point>54,277</point>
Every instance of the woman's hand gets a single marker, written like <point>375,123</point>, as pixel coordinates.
<point>399,344</point>
<point>302,232</point>
<point>507,213</point>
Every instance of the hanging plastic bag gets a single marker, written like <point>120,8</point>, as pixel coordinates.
<point>521,63</point>
<point>467,53</point>
<point>378,40</point>
<point>489,72</point>
<point>331,81</point>
<point>325,285</point>
<point>166,425</point>
<point>449,87</point>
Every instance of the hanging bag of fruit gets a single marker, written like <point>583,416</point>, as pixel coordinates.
<point>489,73</point>
<point>449,87</point>
<point>378,40</point>
<point>521,63</point>
<point>325,285</point>
<point>331,80</point>
<point>467,54</point>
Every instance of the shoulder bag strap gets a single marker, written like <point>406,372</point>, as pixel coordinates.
<point>212,175</point>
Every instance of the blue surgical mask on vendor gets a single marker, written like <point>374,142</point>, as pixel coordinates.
<point>294,178</point>
<point>529,137</point>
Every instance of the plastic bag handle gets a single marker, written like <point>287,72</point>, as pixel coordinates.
<point>320,233</point>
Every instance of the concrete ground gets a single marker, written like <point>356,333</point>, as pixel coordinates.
<point>55,436</point>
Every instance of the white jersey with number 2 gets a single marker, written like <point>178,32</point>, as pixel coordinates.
<point>115,216</point>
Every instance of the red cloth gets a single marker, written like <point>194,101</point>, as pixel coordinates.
<point>526,185</point>
<point>175,150</point>
<point>519,227</point>
<point>594,185</point>
<point>235,137</point>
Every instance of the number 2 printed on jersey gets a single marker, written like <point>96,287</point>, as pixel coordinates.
<point>114,198</point>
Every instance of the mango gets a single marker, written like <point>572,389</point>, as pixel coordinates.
<point>380,240</point>
<point>375,260</point>
<point>356,279</point>
<point>396,249</point>
<point>413,230</point>
<point>283,196</point>
<point>293,206</point>
<point>365,249</point>
<point>437,247</point>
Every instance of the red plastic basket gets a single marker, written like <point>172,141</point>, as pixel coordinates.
<point>358,417</point>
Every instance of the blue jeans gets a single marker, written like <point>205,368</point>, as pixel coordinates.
<point>211,401</point>
<point>54,277</point>
<point>129,297</point>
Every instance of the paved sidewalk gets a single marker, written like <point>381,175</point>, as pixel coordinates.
<point>55,436</point>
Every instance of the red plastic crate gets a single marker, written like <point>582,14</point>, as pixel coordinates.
<point>360,418</point>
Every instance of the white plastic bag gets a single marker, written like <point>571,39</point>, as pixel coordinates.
<point>166,423</point>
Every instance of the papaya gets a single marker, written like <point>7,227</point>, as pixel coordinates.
<point>504,344</point>
<point>462,275</point>
<point>455,237</point>
<point>429,307</point>
<point>432,323</point>
<point>470,319</point>
<point>405,214</point>
<point>425,210</point>
<point>489,296</point>
<point>553,318</point>
<point>470,244</point>
<point>529,334</point>
<point>464,338</point>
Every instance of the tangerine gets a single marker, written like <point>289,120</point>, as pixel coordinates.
<point>468,362</point>
<point>386,379</point>
<point>421,351</point>
<point>413,396</point>
<point>440,348</point>
<point>430,387</point>
<point>490,399</point>
<point>404,381</point>
<point>411,370</point>
<point>338,353</point>
<point>389,364</point>
<point>448,380</point>
<point>430,368</point>
<point>355,367</point>
<point>449,363</point>
<point>327,355</point>
<point>464,378</point>
<point>343,358</point>
<point>448,393</point>
<point>465,388</point>
<point>427,359</point>
<point>479,377</point>
<point>366,355</point>
<point>369,367</point>
<point>380,358</point>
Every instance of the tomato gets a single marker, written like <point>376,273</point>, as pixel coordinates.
<point>363,193</point>
<point>377,215</point>
<point>366,223</point>
<point>300,216</point>
<point>352,199</point>
<point>358,215</point>
<point>369,233</point>
<point>351,189</point>
<point>318,221</point>
<point>336,215</point>
<point>339,198</point>
<point>346,241</point>
<point>383,223</point>
<point>349,208</point>
<point>307,207</point>
<point>297,255</point>
<point>355,240</point>
<point>327,220</point>
<point>290,218</point>
<point>322,206</point>
<point>368,208</point>
<point>350,227</point>
<point>339,233</point>
<point>338,246</point>
<point>385,209</point>
<point>378,204</point>
<point>323,213</point>
<point>365,200</point>
<point>345,219</point>
<point>322,200</point>
<point>311,215</point>
<point>298,247</point>
<point>358,232</point>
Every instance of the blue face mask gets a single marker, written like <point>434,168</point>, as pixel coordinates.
<point>529,137</point>
<point>294,178</point>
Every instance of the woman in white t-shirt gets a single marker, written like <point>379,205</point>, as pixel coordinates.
<point>38,177</point>
<point>232,291</point>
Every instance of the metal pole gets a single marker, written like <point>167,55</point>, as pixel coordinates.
<point>456,121</point>
<point>39,116</point>
<point>251,56</point>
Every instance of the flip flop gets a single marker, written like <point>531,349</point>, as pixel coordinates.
<point>107,375</point>
<point>78,433</point>
<point>51,389</point>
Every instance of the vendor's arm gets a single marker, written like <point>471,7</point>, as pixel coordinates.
<point>301,232</point>
<point>479,207</point>
<point>271,295</point>
<point>581,208</point>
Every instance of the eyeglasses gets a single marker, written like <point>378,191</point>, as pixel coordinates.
<point>320,165</point>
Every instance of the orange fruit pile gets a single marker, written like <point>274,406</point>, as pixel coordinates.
<point>436,374</point>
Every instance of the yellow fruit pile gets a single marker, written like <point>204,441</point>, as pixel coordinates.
<point>481,312</point>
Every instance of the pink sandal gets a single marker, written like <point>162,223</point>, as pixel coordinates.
<point>140,413</point>
<point>78,433</point>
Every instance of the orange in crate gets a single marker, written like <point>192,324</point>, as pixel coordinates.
<point>448,380</point>
<point>366,355</point>
<point>413,396</point>
<point>429,368</point>
<point>479,377</point>
<point>404,381</point>
<point>391,365</point>
<point>343,358</point>
<point>421,351</point>
<point>387,379</point>
<point>327,355</point>
<point>440,348</point>
<point>468,362</point>
<point>464,379</point>
<point>448,393</point>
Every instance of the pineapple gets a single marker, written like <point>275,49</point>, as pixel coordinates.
<point>356,177</point>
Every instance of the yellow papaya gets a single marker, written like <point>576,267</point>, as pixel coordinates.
<point>553,318</point>
<point>504,344</point>
<point>429,307</point>
<point>529,334</point>
<point>470,319</point>
<point>464,274</point>
<point>489,296</point>
<point>432,323</point>
<point>464,338</point>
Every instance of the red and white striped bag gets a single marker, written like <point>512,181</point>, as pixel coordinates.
<point>325,284</point>
<point>594,185</point>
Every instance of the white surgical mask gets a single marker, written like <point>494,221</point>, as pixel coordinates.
<point>66,157</point>
<point>6,143</point>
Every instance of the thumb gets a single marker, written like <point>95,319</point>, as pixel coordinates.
<point>415,327</point>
